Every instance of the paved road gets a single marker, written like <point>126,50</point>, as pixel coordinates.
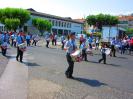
<point>41,76</point>
<point>93,80</point>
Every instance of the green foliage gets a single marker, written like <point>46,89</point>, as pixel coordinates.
<point>41,24</point>
<point>12,24</point>
<point>17,13</point>
<point>101,19</point>
<point>129,31</point>
<point>97,34</point>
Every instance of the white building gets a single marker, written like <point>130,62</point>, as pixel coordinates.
<point>60,25</point>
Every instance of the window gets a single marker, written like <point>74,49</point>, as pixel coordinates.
<point>62,24</point>
<point>65,24</point>
<point>53,22</point>
<point>59,23</point>
<point>70,25</point>
<point>56,23</point>
<point>123,22</point>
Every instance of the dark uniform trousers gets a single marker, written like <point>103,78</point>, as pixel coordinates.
<point>34,42</point>
<point>3,51</point>
<point>62,45</point>
<point>47,45</point>
<point>70,68</point>
<point>103,58</point>
<point>84,55</point>
<point>113,50</point>
<point>19,54</point>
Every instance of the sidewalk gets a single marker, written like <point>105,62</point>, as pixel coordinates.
<point>3,63</point>
<point>14,80</point>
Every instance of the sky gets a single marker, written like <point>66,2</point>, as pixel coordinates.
<point>73,8</point>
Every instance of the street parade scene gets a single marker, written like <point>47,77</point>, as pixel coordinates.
<point>45,56</point>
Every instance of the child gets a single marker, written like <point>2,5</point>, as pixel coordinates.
<point>103,50</point>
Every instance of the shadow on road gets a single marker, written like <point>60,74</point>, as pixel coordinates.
<point>104,64</point>
<point>93,83</point>
<point>122,57</point>
<point>10,57</point>
<point>31,64</point>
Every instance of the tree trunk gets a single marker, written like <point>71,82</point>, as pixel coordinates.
<point>109,33</point>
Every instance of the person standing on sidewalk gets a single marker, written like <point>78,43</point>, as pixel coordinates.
<point>70,47</point>
<point>19,41</point>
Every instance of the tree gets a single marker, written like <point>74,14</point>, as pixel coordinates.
<point>12,24</point>
<point>17,13</point>
<point>101,19</point>
<point>129,31</point>
<point>42,25</point>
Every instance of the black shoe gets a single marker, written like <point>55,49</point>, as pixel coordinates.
<point>67,76</point>
<point>21,61</point>
<point>17,59</point>
<point>71,77</point>
<point>99,61</point>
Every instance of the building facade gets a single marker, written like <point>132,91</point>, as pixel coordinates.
<point>125,21</point>
<point>60,25</point>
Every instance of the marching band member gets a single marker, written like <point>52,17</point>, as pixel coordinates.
<point>83,47</point>
<point>35,38</point>
<point>4,44</point>
<point>28,38</point>
<point>70,47</point>
<point>19,41</point>
<point>103,50</point>
<point>47,38</point>
<point>62,41</point>
<point>113,50</point>
<point>4,47</point>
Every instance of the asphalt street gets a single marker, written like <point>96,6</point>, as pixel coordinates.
<point>92,80</point>
<point>41,76</point>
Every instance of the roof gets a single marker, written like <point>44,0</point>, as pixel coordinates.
<point>127,18</point>
<point>80,20</point>
<point>33,12</point>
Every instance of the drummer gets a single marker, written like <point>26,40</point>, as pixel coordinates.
<point>4,44</point>
<point>20,40</point>
<point>83,47</point>
<point>103,50</point>
<point>70,47</point>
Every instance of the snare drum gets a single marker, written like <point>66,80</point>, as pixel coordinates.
<point>108,50</point>
<point>76,56</point>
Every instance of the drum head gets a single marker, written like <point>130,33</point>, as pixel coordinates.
<point>108,51</point>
